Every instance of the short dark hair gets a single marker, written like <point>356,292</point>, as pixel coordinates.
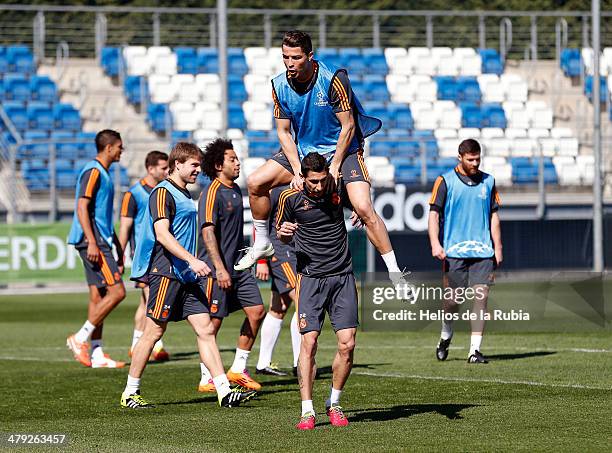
<point>313,162</point>
<point>214,154</point>
<point>298,38</point>
<point>181,152</point>
<point>469,146</point>
<point>106,137</point>
<point>154,157</point>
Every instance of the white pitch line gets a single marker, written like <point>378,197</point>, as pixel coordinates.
<point>491,381</point>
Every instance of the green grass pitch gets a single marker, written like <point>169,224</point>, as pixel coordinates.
<point>541,392</point>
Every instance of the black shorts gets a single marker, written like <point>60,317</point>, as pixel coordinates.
<point>466,272</point>
<point>353,168</point>
<point>243,293</point>
<point>336,294</point>
<point>142,282</point>
<point>105,271</point>
<point>171,300</point>
<point>283,274</point>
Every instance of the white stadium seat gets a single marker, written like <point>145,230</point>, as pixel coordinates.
<point>164,64</point>
<point>441,133</point>
<point>492,132</point>
<point>468,132</point>
<point>512,133</point>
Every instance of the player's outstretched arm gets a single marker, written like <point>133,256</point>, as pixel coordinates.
<point>212,249</point>
<point>169,242</point>
<point>433,228</point>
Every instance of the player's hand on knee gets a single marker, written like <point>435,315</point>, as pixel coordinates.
<point>199,267</point>
<point>437,251</point>
<point>286,231</point>
<point>93,252</point>
<point>297,183</point>
<point>223,279</point>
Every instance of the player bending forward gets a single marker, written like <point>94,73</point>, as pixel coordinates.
<point>466,202</point>
<point>166,256</point>
<point>314,218</point>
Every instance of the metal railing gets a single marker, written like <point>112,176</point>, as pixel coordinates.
<point>87,29</point>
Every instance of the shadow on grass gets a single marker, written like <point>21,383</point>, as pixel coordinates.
<point>213,398</point>
<point>514,356</point>
<point>322,373</point>
<point>383,414</point>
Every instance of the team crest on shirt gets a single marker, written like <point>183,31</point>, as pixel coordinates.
<point>354,173</point>
<point>303,322</point>
<point>321,100</point>
<point>230,206</point>
<point>335,198</point>
<point>307,205</point>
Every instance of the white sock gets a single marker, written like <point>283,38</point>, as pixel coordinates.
<point>240,360</point>
<point>447,330</point>
<point>390,261</point>
<point>159,345</point>
<point>206,376</point>
<point>296,339</point>
<point>222,385</point>
<point>307,407</point>
<point>136,337</point>
<point>270,330</point>
<point>261,234</point>
<point>96,349</point>
<point>132,386</point>
<point>334,397</point>
<point>475,341</point>
<point>84,334</point>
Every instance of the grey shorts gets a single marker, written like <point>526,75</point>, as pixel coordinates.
<point>466,272</point>
<point>283,274</point>
<point>336,295</point>
<point>353,168</point>
<point>243,293</point>
<point>103,272</point>
<point>171,300</point>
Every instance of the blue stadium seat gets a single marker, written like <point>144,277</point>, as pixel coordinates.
<point>491,61</point>
<point>375,61</point>
<point>236,63</point>
<point>603,88</point>
<point>408,176</point>
<point>208,60</point>
<point>4,66</point>
<point>40,115</point>
<point>65,147</point>
<point>408,147</point>
<point>43,89</point>
<point>109,59</point>
<point>376,91</point>
<point>262,148</point>
<point>471,115</point>
<point>359,90</point>
<point>80,163</point>
<point>468,89</point>
<point>401,116</point>
<point>17,87</point>
<point>66,177</point>
<point>493,115</point>
<point>447,88</point>
<point>383,148</point>
<point>187,60</point>
<point>236,90</point>
<point>17,113</point>
<point>571,62</point>
<point>20,59</point>
<point>67,117</point>
<point>159,117</point>
<point>135,87</point>
<point>37,150</point>
<point>236,119</point>
<point>424,134</point>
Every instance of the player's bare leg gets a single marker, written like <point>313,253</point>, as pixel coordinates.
<point>479,307</point>
<point>359,195</point>
<point>307,370</point>
<point>341,369</point>
<point>260,182</point>
<point>159,353</point>
<point>238,373</point>
<point>153,331</point>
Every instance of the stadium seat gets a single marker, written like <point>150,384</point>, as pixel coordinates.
<point>43,89</point>
<point>17,87</point>
<point>491,61</point>
<point>16,111</point>
<point>571,62</point>
<point>136,89</point>
<point>20,59</point>
<point>109,59</point>
<point>208,60</point>
<point>40,115</point>
<point>67,117</point>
